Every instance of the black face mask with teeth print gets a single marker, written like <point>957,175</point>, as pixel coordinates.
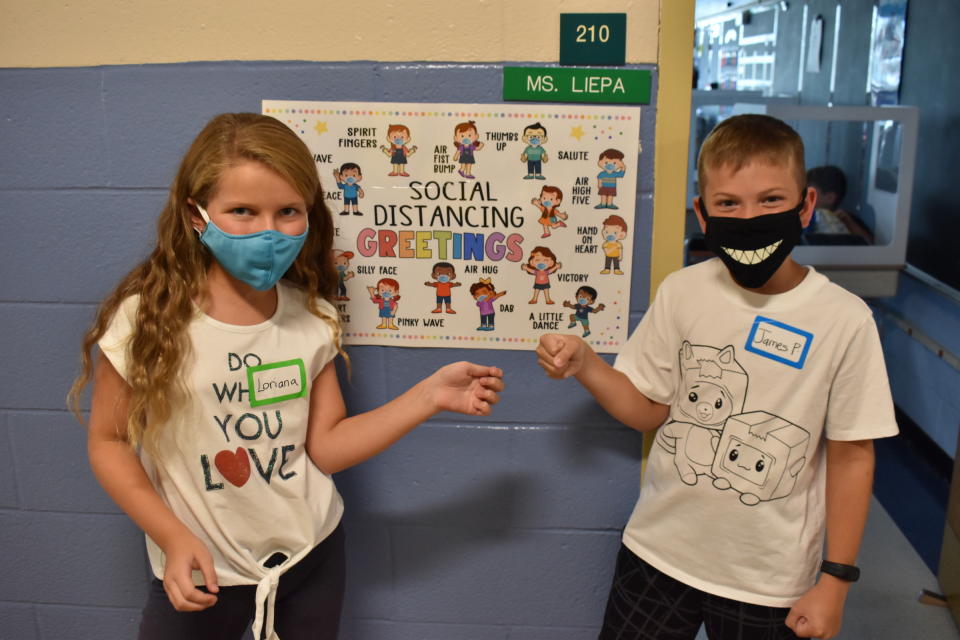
<point>753,248</point>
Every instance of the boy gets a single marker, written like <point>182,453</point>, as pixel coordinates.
<point>769,383</point>
<point>612,169</point>
<point>582,308</point>
<point>348,180</point>
<point>613,232</point>
<point>444,273</point>
<point>830,217</point>
<point>534,155</point>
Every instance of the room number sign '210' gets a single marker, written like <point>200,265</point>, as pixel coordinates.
<point>593,38</point>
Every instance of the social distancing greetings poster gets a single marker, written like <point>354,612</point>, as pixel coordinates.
<point>476,225</point>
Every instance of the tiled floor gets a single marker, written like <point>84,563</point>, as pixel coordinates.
<point>883,604</point>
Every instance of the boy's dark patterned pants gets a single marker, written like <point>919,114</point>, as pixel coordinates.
<point>647,604</point>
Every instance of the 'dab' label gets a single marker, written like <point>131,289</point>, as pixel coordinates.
<point>779,341</point>
<point>276,382</point>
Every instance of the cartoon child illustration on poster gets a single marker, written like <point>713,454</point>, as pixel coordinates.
<point>534,136</point>
<point>613,232</point>
<point>348,180</point>
<point>549,204</point>
<point>485,295</point>
<point>466,140</point>
<point>444,274</point>
<point>582,308</point>
<point>386,295</point>
<point>341,260</point>
<point>540,265</point>
<point>398,135</point>
<point>611,163</point>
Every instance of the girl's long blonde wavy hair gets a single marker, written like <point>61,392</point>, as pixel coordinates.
<point>173,277</point>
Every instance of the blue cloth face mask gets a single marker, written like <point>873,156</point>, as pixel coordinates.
<point>582,301</point>
<point>259,259</point>
<point>444,278</point>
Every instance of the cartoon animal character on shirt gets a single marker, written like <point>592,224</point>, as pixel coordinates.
<point>713,387</point>
<point>759,455</point>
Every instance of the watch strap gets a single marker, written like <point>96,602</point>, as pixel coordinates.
<point>847,572</point>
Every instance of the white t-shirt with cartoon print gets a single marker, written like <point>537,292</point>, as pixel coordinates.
<point>733,500</point>
<point>232,463</point>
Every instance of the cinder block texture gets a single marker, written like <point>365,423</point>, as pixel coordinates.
<point>42,345</point>
<point>52,467</point>
<point>69,246</point>
<point>52,129</point>
<point>18,621</point>
<point>554,633</point>
<point>76,559</point>
<point>354,629</point>
<point>499,478</point>
<point>8,478</point>
<point>515,577</point>
<point>86,623</point>
<point>494,528</point>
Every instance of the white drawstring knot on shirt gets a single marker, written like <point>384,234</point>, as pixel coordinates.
<point>266,593</point>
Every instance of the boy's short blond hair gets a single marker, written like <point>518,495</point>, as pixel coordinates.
<point>739,140</point>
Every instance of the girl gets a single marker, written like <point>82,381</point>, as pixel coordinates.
<point>398,135</point>
<point>386,295</point>
<point>485,295</point>
<point>465,139</point>
<point>549,205</point>
<point>540,265</point>
<point>216,416</point>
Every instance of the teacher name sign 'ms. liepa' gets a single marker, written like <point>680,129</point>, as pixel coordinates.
<point>467,225</point>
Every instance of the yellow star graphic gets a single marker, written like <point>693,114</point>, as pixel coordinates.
<point>577,132</point>
<point>320,127</point>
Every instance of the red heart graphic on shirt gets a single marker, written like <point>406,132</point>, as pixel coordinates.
<point>235,467</point>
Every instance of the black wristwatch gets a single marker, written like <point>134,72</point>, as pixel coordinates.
<point>846,572</point>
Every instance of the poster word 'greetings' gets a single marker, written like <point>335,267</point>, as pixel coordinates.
<point>469,225</point>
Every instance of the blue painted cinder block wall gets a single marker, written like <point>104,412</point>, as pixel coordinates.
<point>494,529</point>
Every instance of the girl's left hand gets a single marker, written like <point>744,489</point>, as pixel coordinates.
<point>465,387</point>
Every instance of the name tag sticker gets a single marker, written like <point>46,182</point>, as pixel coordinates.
<point>778,341</point>
<point>276,382</point>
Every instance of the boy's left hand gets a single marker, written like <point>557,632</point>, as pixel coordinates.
<point>465,387</point>
<point>819,612</point>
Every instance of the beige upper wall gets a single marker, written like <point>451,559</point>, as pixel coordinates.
<point>56,33</point>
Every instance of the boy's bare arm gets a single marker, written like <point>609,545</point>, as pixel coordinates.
<point>563,356</point>
<point>850,466</point>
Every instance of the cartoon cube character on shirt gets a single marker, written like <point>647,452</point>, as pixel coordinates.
<point>713,387</point>
<point>760,456</point>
